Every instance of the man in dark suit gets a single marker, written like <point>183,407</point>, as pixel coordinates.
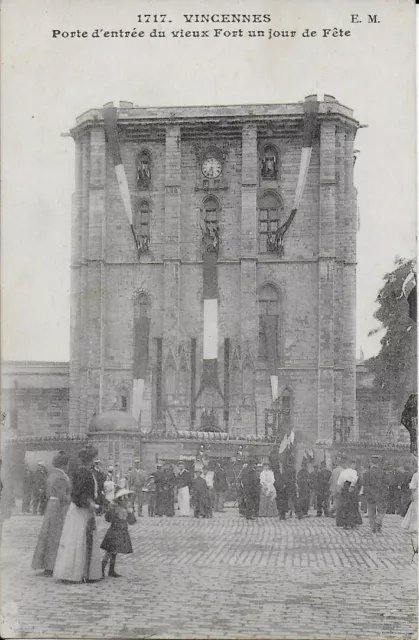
<point>220,486</point>
<point>376,492</point>
<point>100,478</point>
<point>321,485</point>
<point>251,488</point>
<point>281,492</point>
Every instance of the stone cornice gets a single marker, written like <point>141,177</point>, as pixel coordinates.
<point>235,115</point>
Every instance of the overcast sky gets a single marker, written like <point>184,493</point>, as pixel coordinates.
<point>47,82</point>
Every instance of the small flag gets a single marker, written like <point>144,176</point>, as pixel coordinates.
<point>284,444</point>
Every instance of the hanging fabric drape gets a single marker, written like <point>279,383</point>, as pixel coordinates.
<point>110,117</point>
<point>311,109</point>
<point>270,328</point>
<point>141,343</point>
<point>209,376</point>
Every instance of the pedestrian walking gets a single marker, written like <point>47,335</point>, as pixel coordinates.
<point>321,487</point>
<point>281,493</point>
<point>58,492</point>
<point>184,486</point>
<point>220,487</point>
<point>201,496</point>
<point>109,488</point>
<point>136,481</point>
<point>100,479</point>
<point>240,492</point>
<point>291,486</point>
<point>410,521</point>
<point>347,514</point>
<point>313,479</point>
<point>27,489</point>
<point>39,495</point>
<point>303,486</point>
<point>117,539</point>
<point>158,483</point>
<point>376,493</point>
<point>208,476</point>
<point>165,488</point>
<point>251,488</point>
<point>393,489</point>
<point>335,488</point>
<point>405,495</point>
<point>151,495</point>
<point>78,557</point>
<point>267,503</point>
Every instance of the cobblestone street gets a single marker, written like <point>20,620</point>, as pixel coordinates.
<point>222,578</point>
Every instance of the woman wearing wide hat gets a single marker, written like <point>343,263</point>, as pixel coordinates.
<point>58,492</point>
<point>78,558</point>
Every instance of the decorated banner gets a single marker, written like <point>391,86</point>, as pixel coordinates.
<point>270,327</point>
<point>210,334</point>
<point>141,352</point>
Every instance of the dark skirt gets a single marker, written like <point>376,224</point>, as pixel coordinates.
<point>347,514</point>
<point>165,502</point>
<point>117,538</point>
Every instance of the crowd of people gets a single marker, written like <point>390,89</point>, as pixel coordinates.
<point>68,547</point>
<point>344,493</point>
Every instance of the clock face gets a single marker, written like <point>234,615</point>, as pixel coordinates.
<point>211,168</point>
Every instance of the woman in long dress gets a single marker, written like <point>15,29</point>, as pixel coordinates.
<point>78,558</point>
<point>347,513</point>
<point>410,521</point>
<point>58,492</point>
<point>267,504</point>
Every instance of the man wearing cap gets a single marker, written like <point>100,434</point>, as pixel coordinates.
<point>136,482</point>
<point>376,492</point>
<point>39,500</point>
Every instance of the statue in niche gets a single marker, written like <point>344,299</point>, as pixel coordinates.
<point>210,236</point>
<point>269,169</point>
<point>143,165</point>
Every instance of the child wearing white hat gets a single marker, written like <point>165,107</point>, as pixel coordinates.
<point>117,538</point>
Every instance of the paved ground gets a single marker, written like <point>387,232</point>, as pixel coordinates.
<point>222,578</point>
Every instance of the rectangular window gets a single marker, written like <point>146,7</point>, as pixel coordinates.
<point>268,225</point>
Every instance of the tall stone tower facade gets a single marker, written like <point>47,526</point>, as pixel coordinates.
<point>209,190</point>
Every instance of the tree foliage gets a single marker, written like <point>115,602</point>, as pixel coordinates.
<point>395,365</point>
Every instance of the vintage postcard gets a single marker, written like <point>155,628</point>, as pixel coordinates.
<point>208,379</point>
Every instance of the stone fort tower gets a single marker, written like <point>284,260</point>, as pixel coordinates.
<point>224,300</point>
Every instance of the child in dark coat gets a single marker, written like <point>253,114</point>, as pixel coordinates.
<point>117,538</point>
